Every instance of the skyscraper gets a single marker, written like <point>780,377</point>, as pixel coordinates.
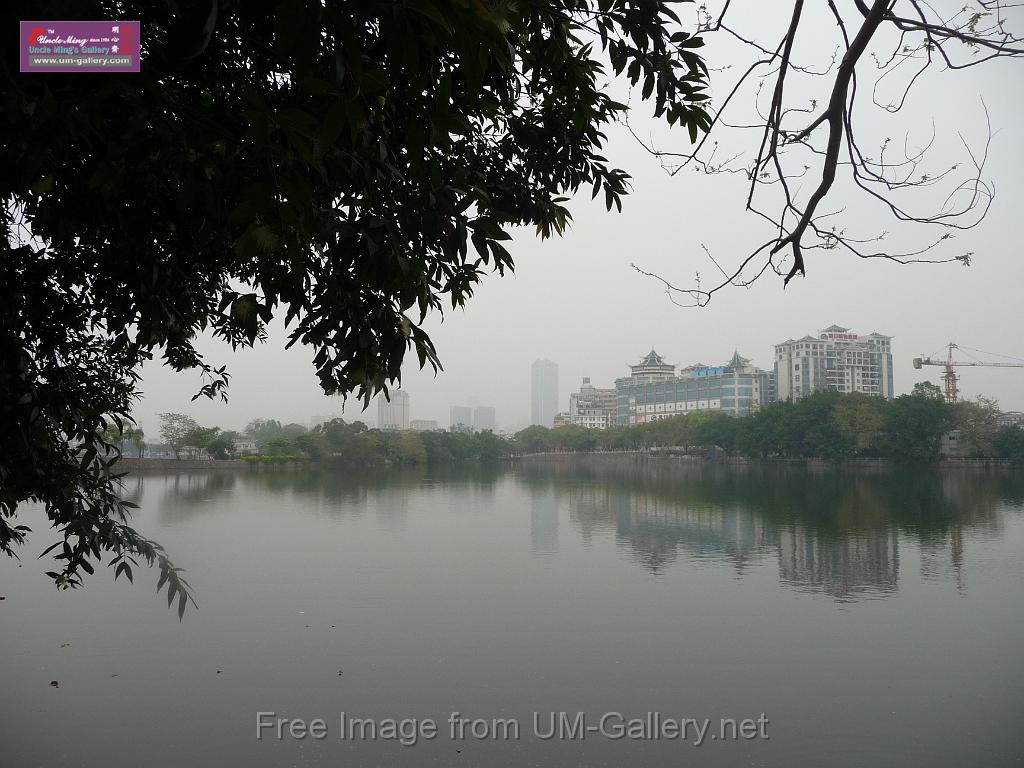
<point>394,415</point>
<point>543,392</point>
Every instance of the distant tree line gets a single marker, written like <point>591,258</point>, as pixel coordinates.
<point>340,441</point>
<point>826,425</point>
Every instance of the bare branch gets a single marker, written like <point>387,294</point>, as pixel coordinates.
<point>920,38</point>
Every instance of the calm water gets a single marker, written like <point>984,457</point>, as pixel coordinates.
<point>875,620</point>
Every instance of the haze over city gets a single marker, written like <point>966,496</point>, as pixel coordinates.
<point>577,301</point>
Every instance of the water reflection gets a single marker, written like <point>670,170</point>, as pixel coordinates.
<point>846,567</point>
<point>544,522</point>
<point>835,532</point>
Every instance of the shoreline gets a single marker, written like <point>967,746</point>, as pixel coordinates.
<point>607,458</point>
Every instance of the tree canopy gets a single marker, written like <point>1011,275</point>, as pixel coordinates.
<point>353,166</point>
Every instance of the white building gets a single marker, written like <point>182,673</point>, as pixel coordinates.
<point>423,425</point>
<point>592,407</point>
<point>246,447</point>
<point>393,416</point>
<point>838,360</point>
<point>1010,419</point>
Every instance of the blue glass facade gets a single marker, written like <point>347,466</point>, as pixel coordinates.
<point>641,400</point>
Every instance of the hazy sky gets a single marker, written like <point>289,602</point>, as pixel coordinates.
<point>576,300</point>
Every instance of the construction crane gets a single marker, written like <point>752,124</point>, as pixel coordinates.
<point>949,376</point>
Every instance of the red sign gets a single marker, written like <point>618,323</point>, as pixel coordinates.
<point>840,336</point>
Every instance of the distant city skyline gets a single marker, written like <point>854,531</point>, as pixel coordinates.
<point>334,407</point>
<point>577,300</point>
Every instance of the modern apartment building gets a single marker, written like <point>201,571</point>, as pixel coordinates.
<point>592,407</point>
<point>394,415</point>
<point>543,392</point>
<point>836,359</point>
<point>653,390</point>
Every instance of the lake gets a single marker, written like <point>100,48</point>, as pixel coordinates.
<point>612,616</point>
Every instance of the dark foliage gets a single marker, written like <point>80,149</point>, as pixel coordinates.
<point>353,166</point>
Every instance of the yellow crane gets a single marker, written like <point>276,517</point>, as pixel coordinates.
<point>949,376</point>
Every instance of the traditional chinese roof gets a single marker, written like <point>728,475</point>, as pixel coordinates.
<point>652,358</point>
<point>835,329</point>
<point>737,360</point>
<point>652,364</point>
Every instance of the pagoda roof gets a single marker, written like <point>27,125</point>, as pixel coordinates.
<point>652,358</point>
<point>737,360</point>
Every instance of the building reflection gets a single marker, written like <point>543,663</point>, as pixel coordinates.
<point>844,567</point>
<point>544,522</point>
<point>831,533</point>
<point>654,530</point>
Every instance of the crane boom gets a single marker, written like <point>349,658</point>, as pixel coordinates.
<point>949,376</point>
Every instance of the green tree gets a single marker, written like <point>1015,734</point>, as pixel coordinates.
<point>200,439</point>
<point>1009,443</point>
<point>280,445</point>
<point>976,422</point>
<point>535,439</point>
<point>928,389</point>
<point>712,429</point>
<point>914,428</point>
<point>411,449</point>
<point>313,444</point>
<point>490,447</point>
<point>860,418</point>
<point>353,166</point>
<point>341,437</point>
<point>137,437</point>
<point>222,445</point>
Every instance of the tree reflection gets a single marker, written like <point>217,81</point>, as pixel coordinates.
<point>829,530</point>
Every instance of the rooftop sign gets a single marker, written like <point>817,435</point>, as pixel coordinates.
<point>840,336</point>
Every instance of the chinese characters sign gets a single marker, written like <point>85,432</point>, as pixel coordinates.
<point>79,46</point>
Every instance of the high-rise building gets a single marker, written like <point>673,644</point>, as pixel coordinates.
<point>461,418</point>
<point>592,407</point>
<point>543,392</point>
<point>393,416</point>
<point>484,418</point>
<point>838,360</point>
<point>654,391</point>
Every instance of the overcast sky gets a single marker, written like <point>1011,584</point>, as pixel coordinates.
<point>576,300</point>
